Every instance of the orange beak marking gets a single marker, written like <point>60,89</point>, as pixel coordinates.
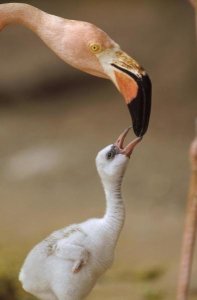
<point>127,86</point>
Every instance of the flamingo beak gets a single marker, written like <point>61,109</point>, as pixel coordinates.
<point>135,86</point>
<point>133,83</point>
<point>127,150</point>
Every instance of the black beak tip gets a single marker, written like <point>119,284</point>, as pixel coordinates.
<point>140,107</point>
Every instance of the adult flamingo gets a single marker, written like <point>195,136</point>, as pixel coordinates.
<point>88,48</point>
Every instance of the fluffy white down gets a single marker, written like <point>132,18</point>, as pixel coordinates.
<point>67,264</point>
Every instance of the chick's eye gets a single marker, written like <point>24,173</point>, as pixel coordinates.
<point>95,48</point>
<point>111,154</point>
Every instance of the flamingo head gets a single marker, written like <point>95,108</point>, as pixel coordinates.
<point>96,53</point>
<point>112,161</point>
<point>88,48</point>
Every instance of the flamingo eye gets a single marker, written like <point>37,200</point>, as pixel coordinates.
<point>111,154</point>
<point>95,48</point>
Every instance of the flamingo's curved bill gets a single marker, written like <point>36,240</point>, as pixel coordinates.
<point>133,83</point>
<point>137,93</point>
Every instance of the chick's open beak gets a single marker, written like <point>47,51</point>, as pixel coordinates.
<point>135,85</point>
<point>127,150</point>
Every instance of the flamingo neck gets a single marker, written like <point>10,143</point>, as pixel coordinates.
<point>47,27</point>
<point>20,13</point>
<point>64,37</point>
<point>115,210</point>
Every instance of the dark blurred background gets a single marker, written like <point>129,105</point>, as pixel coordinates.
<point>54,119</point>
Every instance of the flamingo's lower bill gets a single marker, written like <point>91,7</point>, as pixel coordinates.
<point>136,89</point>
